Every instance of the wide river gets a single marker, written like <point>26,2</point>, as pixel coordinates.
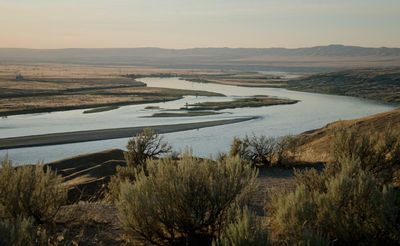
<point>313,111</point>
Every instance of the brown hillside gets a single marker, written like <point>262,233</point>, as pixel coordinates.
<point>315,145</point>
<point>87,175</point>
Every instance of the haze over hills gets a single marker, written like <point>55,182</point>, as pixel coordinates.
<point>331,56</point>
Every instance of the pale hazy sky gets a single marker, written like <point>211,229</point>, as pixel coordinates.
<point>198,23</point>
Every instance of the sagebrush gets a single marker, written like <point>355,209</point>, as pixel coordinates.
<point>186,201</point>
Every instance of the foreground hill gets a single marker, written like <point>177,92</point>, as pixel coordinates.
<point>373,83</point>
<point>87,177</point>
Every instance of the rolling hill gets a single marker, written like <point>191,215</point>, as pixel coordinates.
<point>322,57</point>
<point>382,84</point>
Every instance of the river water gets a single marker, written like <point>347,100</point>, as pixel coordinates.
<point>313,111</point>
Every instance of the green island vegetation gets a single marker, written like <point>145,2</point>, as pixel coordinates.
<point>382,84</point>
<point>256,101</point>
<point>184,114</point>
<point>101,109</point>
<point>150,195</point>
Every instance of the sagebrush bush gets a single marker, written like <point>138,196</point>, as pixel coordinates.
<point>30,192</point>
<point>244,230</point>
<point>350,207</point>
<point>378,153</point>
<point>124,174</point>
<point>185,201</point>
<point>17,231</point>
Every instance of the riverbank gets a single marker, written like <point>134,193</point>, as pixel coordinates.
<point>104,134</point>
<point>380,84</point>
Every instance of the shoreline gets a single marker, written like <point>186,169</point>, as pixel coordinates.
<point>105,134</point>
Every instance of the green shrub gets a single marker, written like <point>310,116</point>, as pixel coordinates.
<point>30,192</point>
<point>350,207</point>
<point>245,229</point>
<point>185,201</point>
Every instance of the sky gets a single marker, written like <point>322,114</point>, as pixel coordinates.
<point>198,23</point>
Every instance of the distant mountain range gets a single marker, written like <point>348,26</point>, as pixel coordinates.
<point>198,57</point>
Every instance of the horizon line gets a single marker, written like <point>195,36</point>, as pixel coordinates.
<point>205,47</point>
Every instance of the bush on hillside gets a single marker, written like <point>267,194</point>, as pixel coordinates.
<point>244,229</point>
<point>377,153</point>
<point>30,197</point>
<point>350,206</point>
<point>265,151</point>
<point>17,231</point>
<point>185,201</point>
<point>255,150</point>
<point>145,145</point>
<point>30,192</point>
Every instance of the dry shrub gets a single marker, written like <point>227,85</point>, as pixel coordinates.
<point>265,151</point>
<point>351,201</point>
<point>123,174</point>
<point>350,206</point>
<point>17,231</point>
<point>30,197</point>
<point>244,229</point>
<point>378,153</point>
<point>30,191</point>
<point>185,201</point>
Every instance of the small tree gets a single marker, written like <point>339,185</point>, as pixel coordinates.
<point>256,150</point>
<point>185,201</point>
<point>263,150</point>
<point>145,145</point>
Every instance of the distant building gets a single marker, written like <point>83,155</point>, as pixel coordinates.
<point>19,77</point>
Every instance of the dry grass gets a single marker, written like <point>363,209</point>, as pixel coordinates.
<point>315,145</point>
<point>55,87</point>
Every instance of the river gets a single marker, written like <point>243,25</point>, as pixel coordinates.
<point>313,111</point>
